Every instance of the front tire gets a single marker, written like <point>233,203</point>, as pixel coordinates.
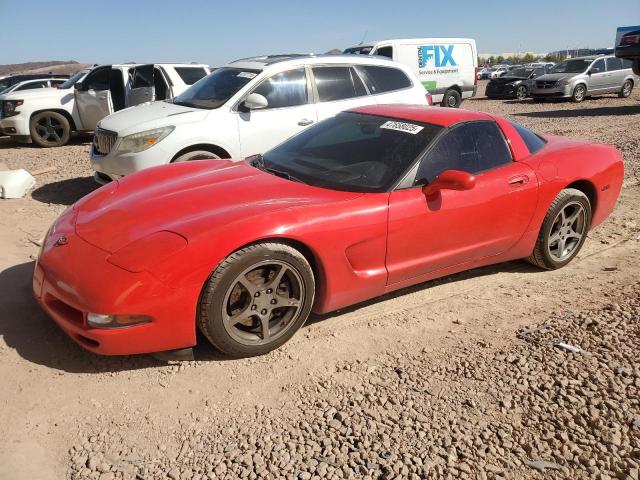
<point>563,231</point>
<point>196,155</point>
<point>256,299</point>
<point>521,92</point>
<point>452,99</point>
<point>626,89</point>
<point>49,129</point>
<point>579,93</point>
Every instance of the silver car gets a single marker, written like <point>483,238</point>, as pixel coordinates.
<point>578,78</point>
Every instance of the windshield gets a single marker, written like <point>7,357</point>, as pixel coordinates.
<point>73,80</point>
<point>521,72</point>
<point>5,84</point>
<point>578,65</point>
<point>216,88</point>
<point>351,151</point>
<point>361,50</point>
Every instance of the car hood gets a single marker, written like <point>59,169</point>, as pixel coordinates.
<point>503,80</point>
<point>556,76</point>
<point>151,115</point>
<point>189,198</point>
<point>36,94</point>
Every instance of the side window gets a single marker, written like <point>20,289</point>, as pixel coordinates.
<point>599,65</point>
<point>473,147</point>
<point>57,82</point>
<point>97,79</point>
<point>383,79</point>
<point>285,89</point>
<point>385,52</point>
<point>191,75</point>
<point>161,88</point>
<point>29,86</point>
<point>626,63</point>
<point>534,142</point>
<point>337,83</point>
<point>142,77</point>
<point>614,63</point>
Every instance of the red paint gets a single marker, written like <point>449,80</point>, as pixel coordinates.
<point>147,244</point>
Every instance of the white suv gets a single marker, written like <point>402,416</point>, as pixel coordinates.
<point>47,116</point>
<point>247,107</point>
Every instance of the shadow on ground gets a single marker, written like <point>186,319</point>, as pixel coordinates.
<point>584,112</point>
<point>65,192</point>
<point>36,338</point>
<point>76,139</point>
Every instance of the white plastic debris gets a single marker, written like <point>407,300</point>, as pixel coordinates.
<point>15,183</point>
<point>568,347</point>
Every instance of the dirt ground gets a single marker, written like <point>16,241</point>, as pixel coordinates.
<point>455,378</point>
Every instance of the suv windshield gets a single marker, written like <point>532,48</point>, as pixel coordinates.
<point>359,50</point>
<point>215,89</point>
<point>577,65</point>
<point>73,80</point>
<point>351,151</point>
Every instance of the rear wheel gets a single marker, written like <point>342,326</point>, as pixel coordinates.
<point>627,86</point>
<point>452,99</point>
<point>256,299</point>
<point>521,92</point>
<point>563,231</point>
<point>49,129</point>
<point>579,93</point>
<point>196,155</point>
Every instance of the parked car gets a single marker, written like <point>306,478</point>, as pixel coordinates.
<point>447,67</point>
<point>47,117</point>
<point>350,209</point>
<point>628,45</point>
<point>247,107</point>
<point>484,73</point>
<point>33,84</point>
<point>581,77</point>
<point>514,84</point>
<point>498,72</point>
<point>11,80</point>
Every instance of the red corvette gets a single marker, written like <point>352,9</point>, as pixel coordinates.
<point>370,201</point>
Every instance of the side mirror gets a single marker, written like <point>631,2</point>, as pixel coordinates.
<point>77,86</point>
<point>450,180</point>
<point>594,70</point>
<point>254,101</point>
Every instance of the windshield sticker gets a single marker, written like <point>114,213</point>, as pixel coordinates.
<point>246,75</point>
<point>402,127</point>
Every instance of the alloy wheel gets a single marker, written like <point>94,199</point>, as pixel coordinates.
<point>579,93</point>
<point>49,129</point>
<point>521,92</point>
<point>626,89</point>
<point>263,302</point>
<point>567,231</point>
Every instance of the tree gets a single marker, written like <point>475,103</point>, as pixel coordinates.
<point>528,58</point>
<point>492,60</point>
<point>500,59</point>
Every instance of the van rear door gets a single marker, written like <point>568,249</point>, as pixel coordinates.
<point>141,85</point>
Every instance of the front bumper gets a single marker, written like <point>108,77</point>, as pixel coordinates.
<point>561,91</point>
<point>500,91</point>
<point>73,279</point>
<point>16,126</point>
<point>116,164</point>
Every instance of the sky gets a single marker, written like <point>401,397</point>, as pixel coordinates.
<point>215,32</point>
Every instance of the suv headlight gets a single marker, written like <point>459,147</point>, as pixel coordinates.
<point>9,107</point>
<point>139,142</point>
<point>563,83</point>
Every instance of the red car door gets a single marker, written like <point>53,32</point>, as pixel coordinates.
<point>457,226</point>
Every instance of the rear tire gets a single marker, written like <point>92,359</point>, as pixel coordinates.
<point>256,299</point>
<point>579,93</point>
<point>563,230</point>
<point>49,129</point>
<point>452,99</point>
<point>196,155</point>
<point>627,87</point>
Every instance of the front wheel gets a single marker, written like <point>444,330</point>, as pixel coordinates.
<point>563,231</point>
<point>521,92</point>
<point>49,129</point>
<point>452,99</point>
<point>196,155</point>
<point>256,299</point>
<point>579,93</point>
<point>626,89</point>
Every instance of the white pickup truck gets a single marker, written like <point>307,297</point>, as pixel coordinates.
<point>48,116</point>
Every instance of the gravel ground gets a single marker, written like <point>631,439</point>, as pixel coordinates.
<point>457,378</point>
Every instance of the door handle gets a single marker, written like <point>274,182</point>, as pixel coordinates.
<point>304,122</point>
<point>518,180</point>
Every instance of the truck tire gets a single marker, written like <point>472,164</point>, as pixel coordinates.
<point>451,99</point>
<point>49,129</point>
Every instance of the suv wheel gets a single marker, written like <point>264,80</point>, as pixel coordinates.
<point>451,99</point>
<point>627,86</point>
<point>49,129</point>
<point>579,93</point>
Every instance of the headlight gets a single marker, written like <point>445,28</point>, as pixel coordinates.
<point>9,107</point>
<point>563,83</point>
<point>139,142</point>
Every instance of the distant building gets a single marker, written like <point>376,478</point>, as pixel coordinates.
<point>581,52</point>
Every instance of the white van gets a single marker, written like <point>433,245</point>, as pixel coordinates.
<point>446,67</point>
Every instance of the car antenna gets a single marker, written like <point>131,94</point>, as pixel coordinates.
<point>364,36</point>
